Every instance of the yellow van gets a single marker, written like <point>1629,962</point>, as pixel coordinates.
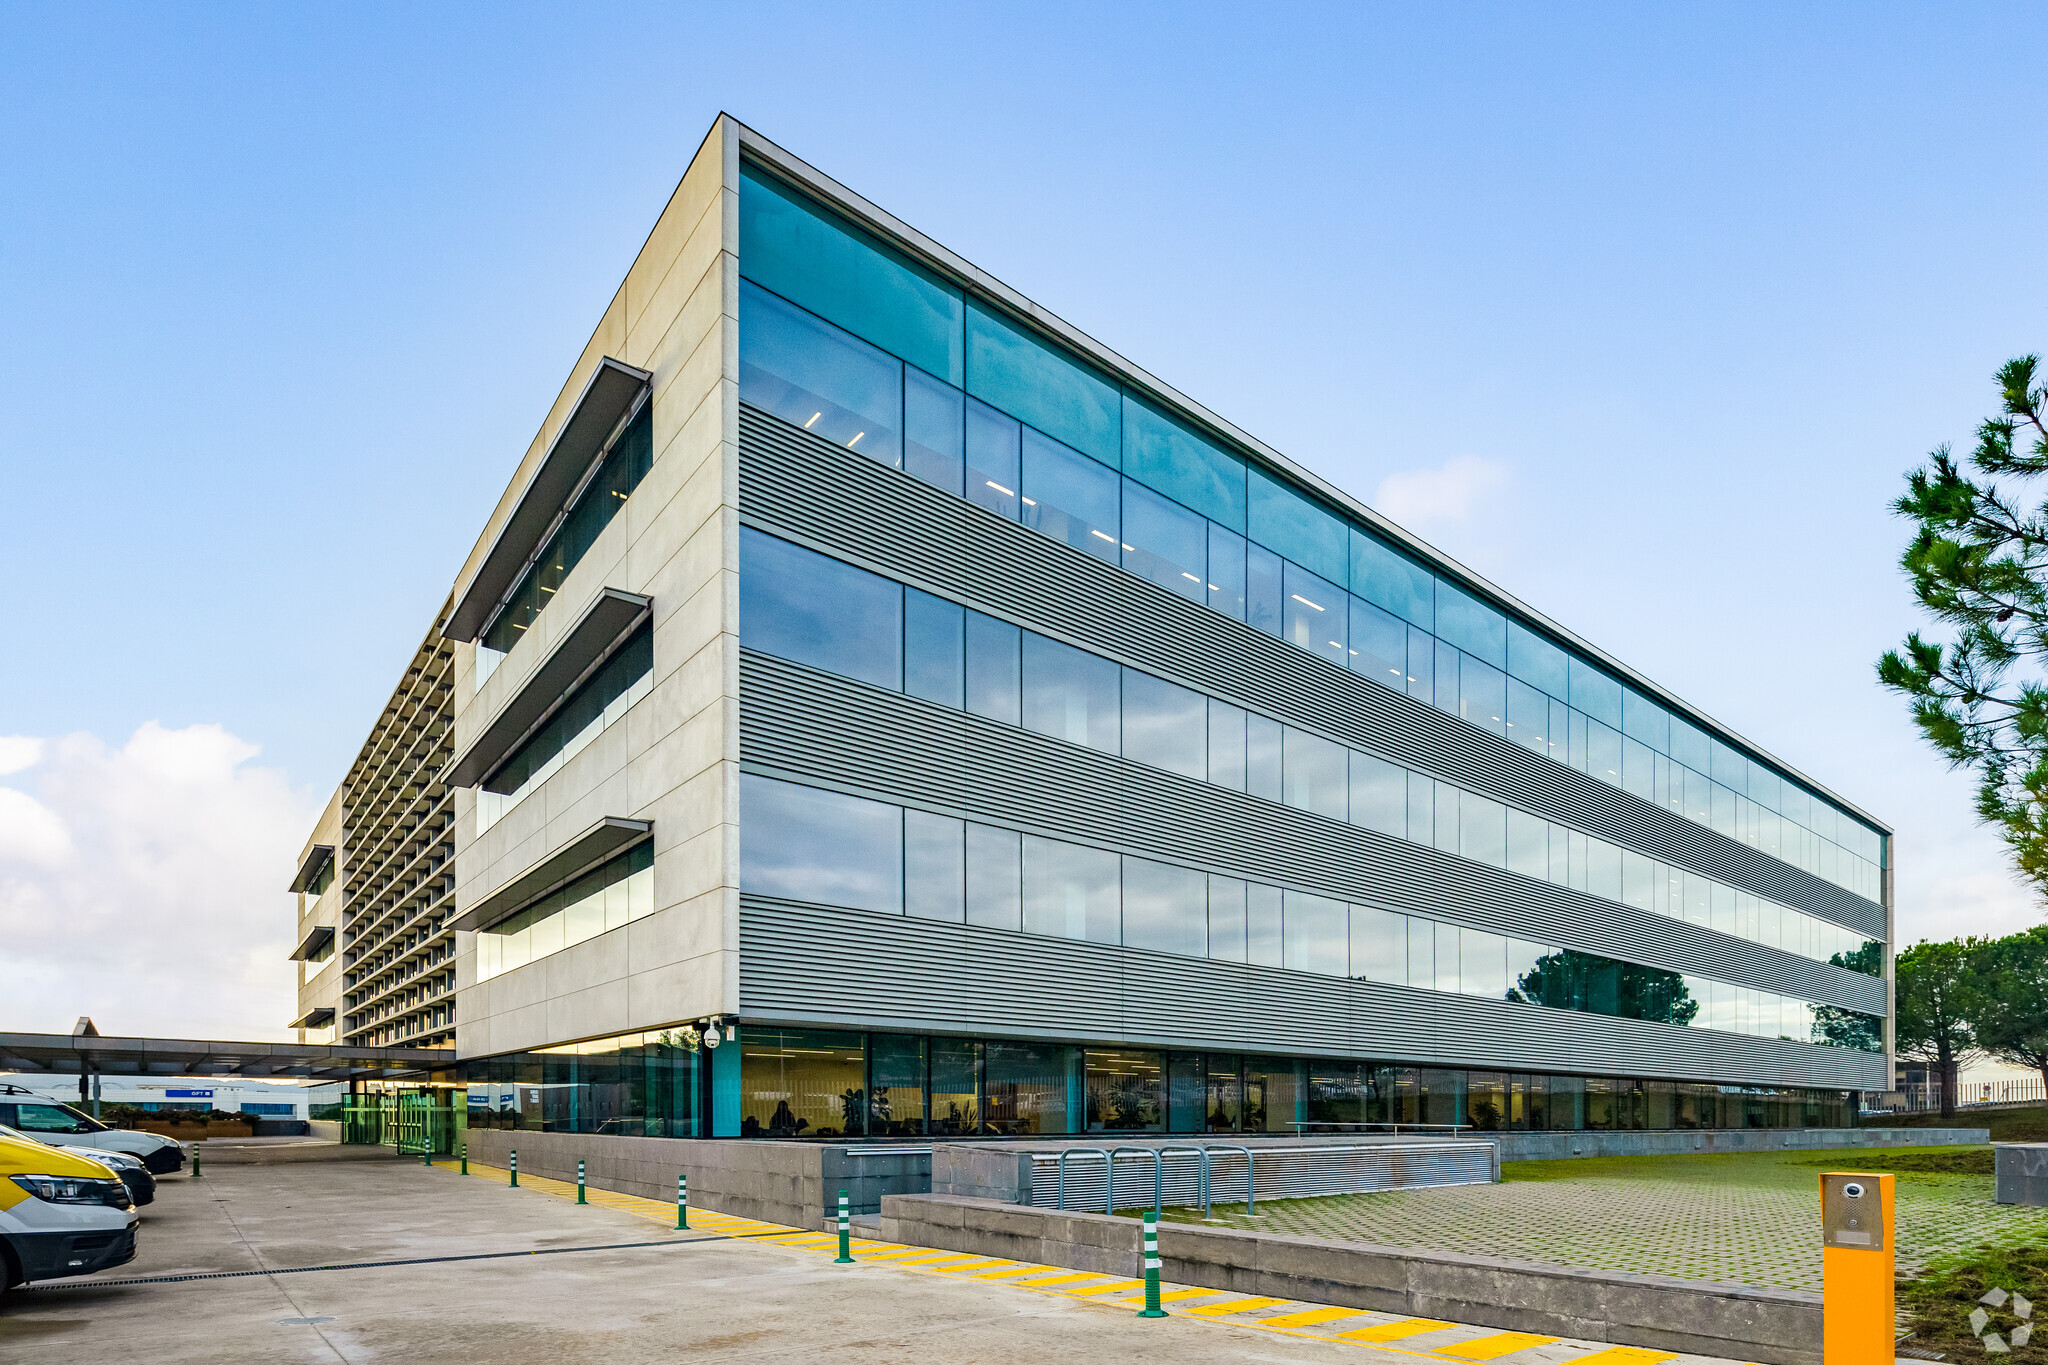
<point>60,1214</point>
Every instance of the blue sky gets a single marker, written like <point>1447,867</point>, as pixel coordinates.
<point>1643,311</point>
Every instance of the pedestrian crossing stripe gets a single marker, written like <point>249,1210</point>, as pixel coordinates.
<point>1494,1347</point>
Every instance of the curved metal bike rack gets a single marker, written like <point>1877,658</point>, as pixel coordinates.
<point>1158,1178</point>
<point>1250,1197</point>
<point>1108,1161</point>
<point>1201,1169</point>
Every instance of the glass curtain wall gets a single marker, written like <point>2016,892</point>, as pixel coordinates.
<point>818,611</point>
<point>849,339</point>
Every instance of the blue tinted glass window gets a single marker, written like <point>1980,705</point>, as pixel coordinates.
<point>806,253</point>
<point>1226,572</point>
<point>993,442</point>
<point>1184,466</point>
<point>1226,919</point>
<point>933,430</point>
<point>1164,543</point>
<point>1226,745</point>
<point>1644,720</point>
<point>1262,925</point>
<point>1069,497</point>
<point>1288,522</point>
<point>1421,665</point>
<point>1528,717</point>
<point>1166,908</point>
<point>993,684</point>
<point>1732,771</point>
<point>1593,692</point>
<point>1379,645</point>
<point>1071,891</point>
<point>1316,615</point>
<point>1379,795</point>
<point>1689,746</point>
<point>1165,725</point>
<point>1447,658</point>
<point>1603,753</point>
<point>1379,945</point>
<point>934,648</point>
<point>1482,695</point>
<point>1471,625</point>
<point>1262,757</point>
<point>1315,776</point>
<point>994,879</point>
<point>1069,694</point>
<point>934,866</point>
<point>1482,830</point>
<point>589,709</point>
<point>1318,935</point>
<point>1383,575</point>
<point>827,382</point>
<point>1421,809</point>
<point>1263,591</point>
<point>1029,379</point>
<point>811,609</point>
<point>1538,662</point>
<point>801,843</point>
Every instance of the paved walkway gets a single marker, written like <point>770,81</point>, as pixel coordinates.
<point>1743,1219</point>
<point>1405,1337</point>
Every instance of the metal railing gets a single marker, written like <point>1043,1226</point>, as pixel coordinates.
<point>1210,1173</point>
<point>1926,1099</point>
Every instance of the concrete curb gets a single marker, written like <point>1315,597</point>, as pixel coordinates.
<point>1743,1322</point>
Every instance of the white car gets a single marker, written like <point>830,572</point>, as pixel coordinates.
<point>45,1120</point>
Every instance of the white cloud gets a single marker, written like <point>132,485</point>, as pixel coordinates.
<point>144,886</point>
<point>1449,493</point>
<point>18,752</point>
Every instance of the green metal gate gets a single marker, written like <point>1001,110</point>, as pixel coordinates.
<point>415,1122</point>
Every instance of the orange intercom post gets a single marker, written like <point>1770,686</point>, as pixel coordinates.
<point>1856,1270</point>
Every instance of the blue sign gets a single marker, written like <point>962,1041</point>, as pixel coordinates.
<point>188,1094</point>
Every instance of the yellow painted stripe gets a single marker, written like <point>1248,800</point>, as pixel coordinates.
<point>1625,1355</point>
<point>1314,1316</point>
<point>1176,1295</point>
<point>1235,1306</point>
<point>1112,1286</point>
<point>975,1265</point>
<point>1394,1331</point>
<point>1059,1279</point>
<point>1493,1348</point>
<point>1009,1270</point>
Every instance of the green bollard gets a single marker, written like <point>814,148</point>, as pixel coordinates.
<point>195,1163</point>
<point>463,1148</point>
<point>427,1152</point>
<point>682,1202</point>
<point>579,1182</point>
<point>845,1256</point>
<point>515,1168</point>
<point>1152,1308</point>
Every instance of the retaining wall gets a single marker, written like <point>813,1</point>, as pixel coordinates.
<point>797,1183</point>
<point>1742,1322</point>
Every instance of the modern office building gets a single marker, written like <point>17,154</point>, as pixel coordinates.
<point>869,674</point>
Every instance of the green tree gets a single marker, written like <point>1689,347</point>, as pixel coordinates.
<point>1978,562</point>
<point>1940,990</point>
<point>2012,1013</point>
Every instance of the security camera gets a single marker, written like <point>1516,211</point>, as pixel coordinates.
<point>711,1038</point>
<point>1852,1190</point>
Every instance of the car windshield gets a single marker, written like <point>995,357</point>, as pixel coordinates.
<point>54,1118</point>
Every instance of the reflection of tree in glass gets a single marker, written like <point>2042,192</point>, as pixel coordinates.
<point>1838,1027</point>
<point>1571,980</point>
<point>852,1104</point>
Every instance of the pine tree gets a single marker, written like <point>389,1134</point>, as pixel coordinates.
<point>1978,562</point>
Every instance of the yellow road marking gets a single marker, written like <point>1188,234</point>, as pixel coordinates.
<point>1625,1355</point>
<point>1493,1348</point>
<point>1235,1306</point>
<point>1316,1315</point>
<point>1176,1295</point>
<point>976,1265</point>
<point>1010,1270</point>
<point>1394,1331</point>
<point>1112,1286</point>
<point>1059,1279</point>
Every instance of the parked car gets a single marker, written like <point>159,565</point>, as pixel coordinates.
<point>141,1184</point>
<point>60,1214</point>
<point>45,1120</point>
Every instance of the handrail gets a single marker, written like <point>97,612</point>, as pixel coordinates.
<point>1250,1195</point>
<point>1300,1126</point>
<point>1201,1170</point>
<point>1108,1161</point>
<point>1158,1178</point>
